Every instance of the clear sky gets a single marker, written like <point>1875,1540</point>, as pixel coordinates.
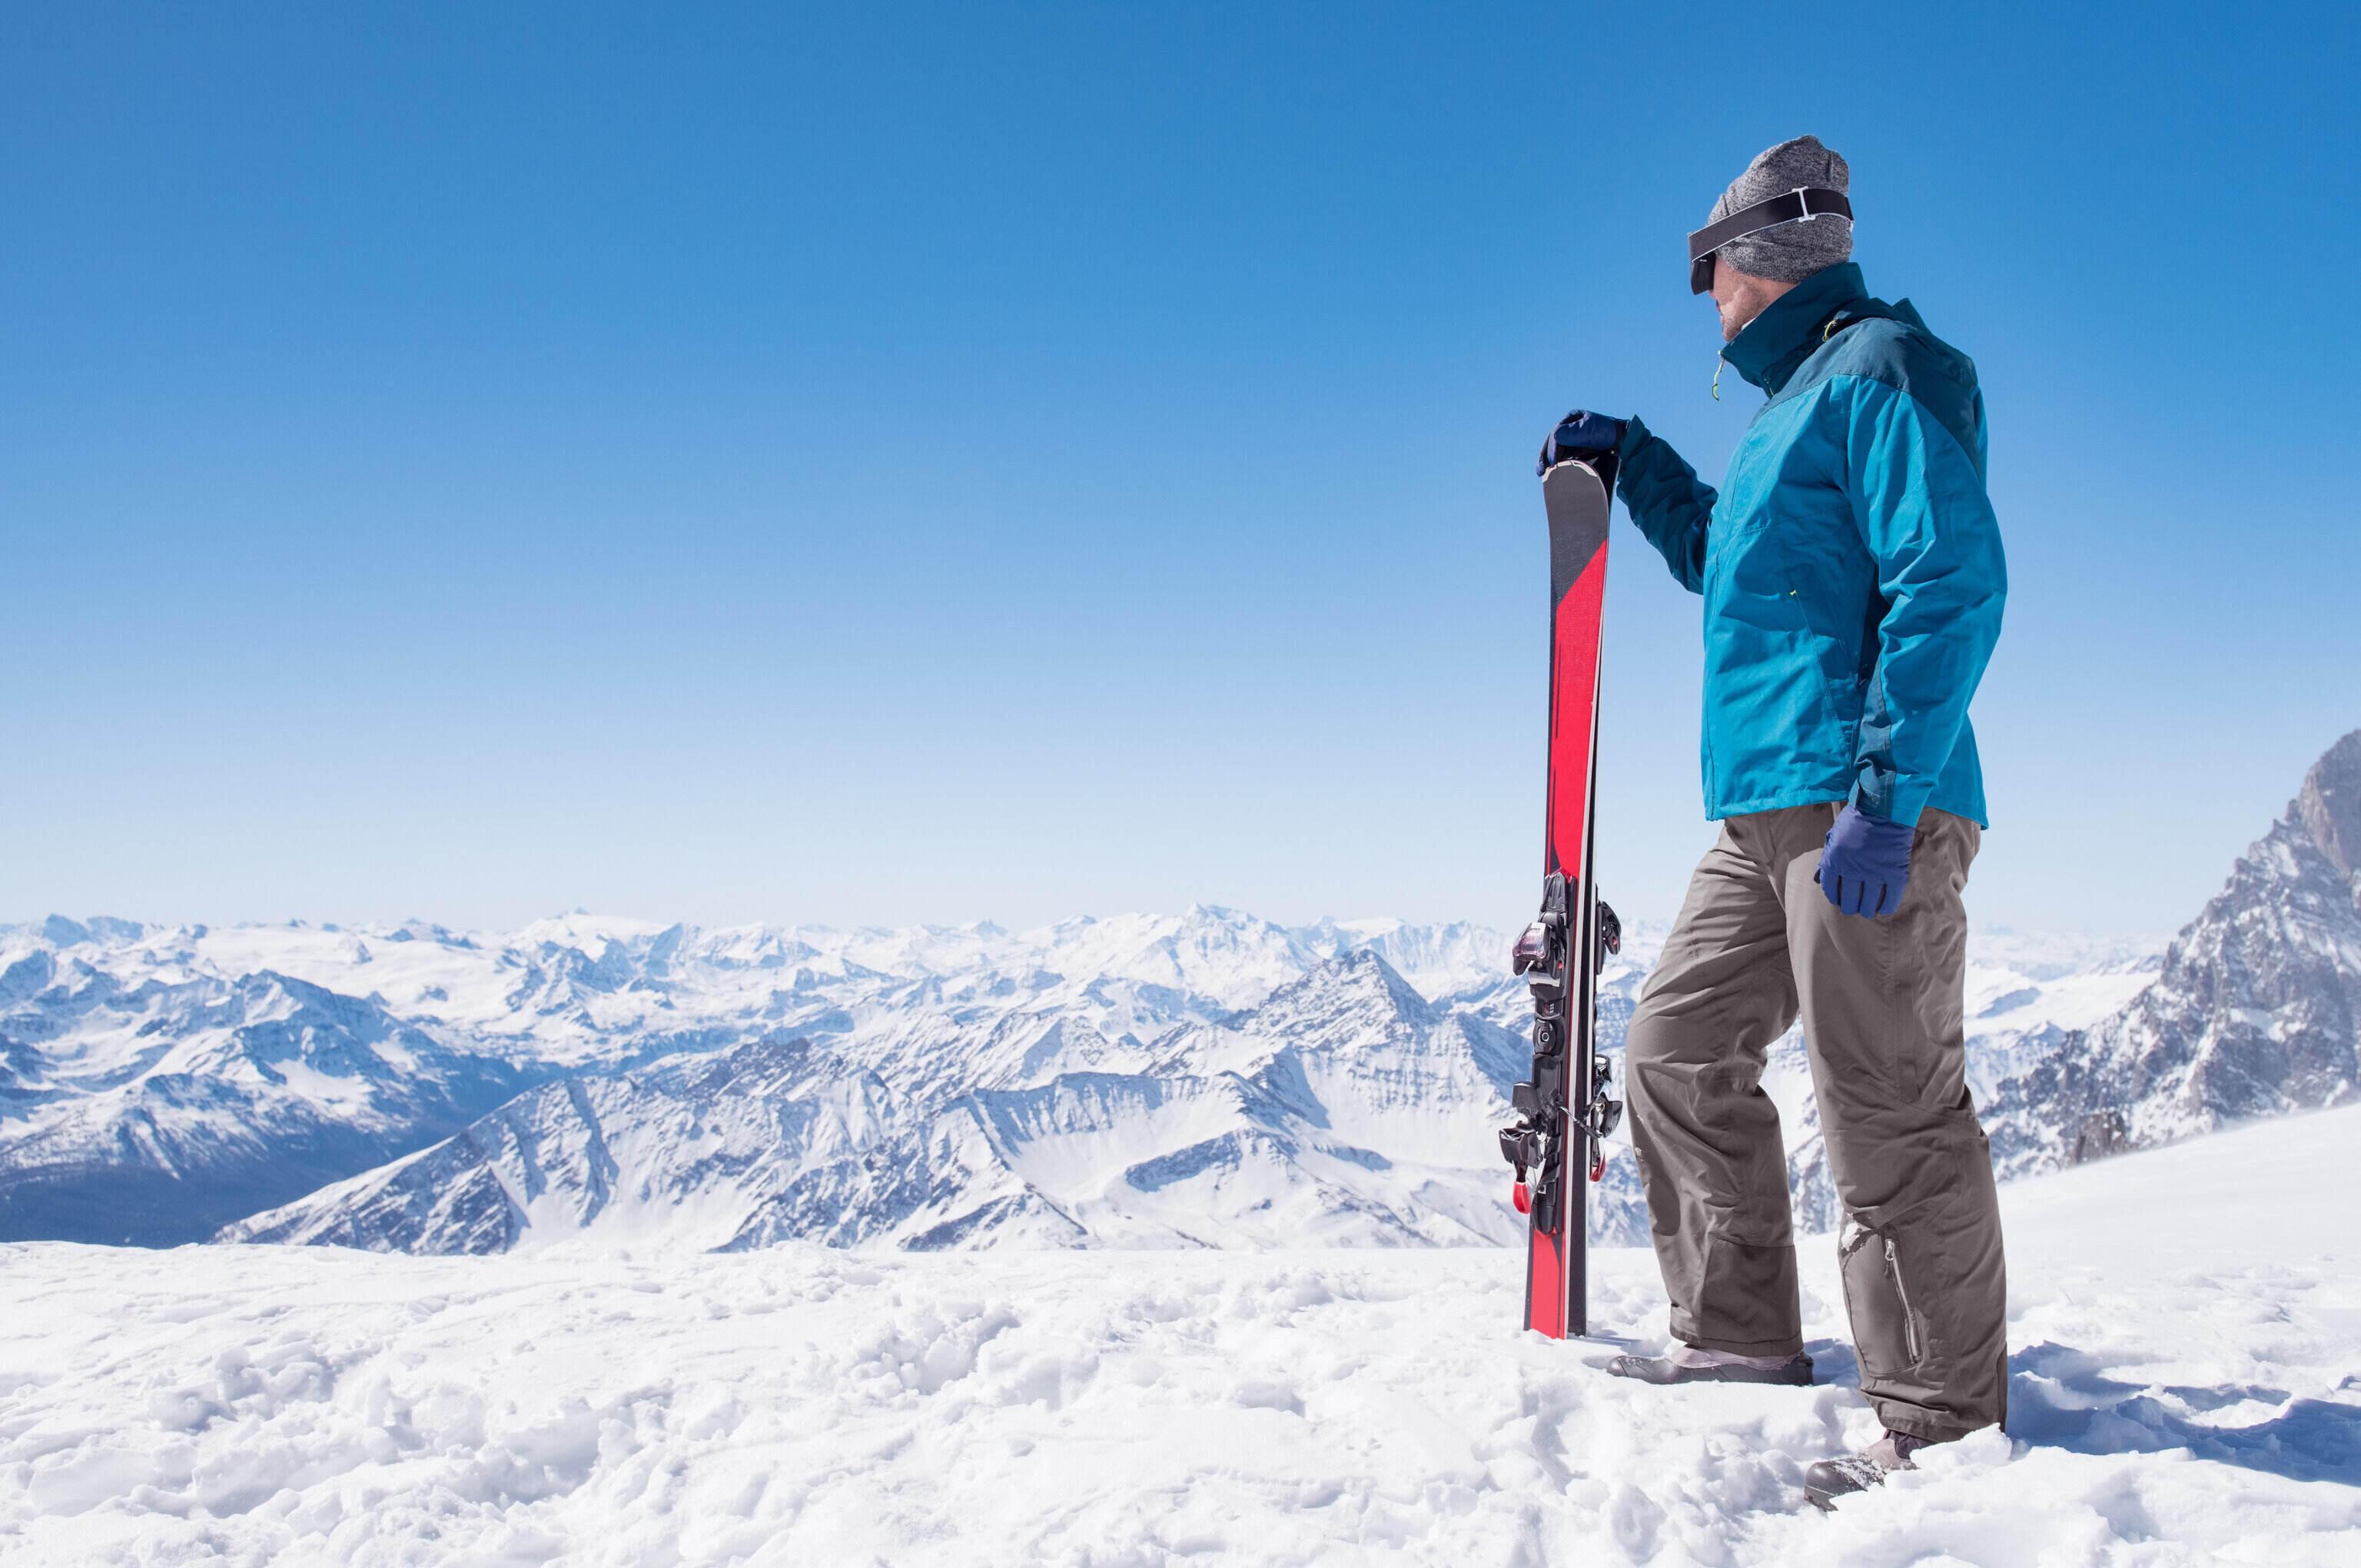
<point>809,463</point>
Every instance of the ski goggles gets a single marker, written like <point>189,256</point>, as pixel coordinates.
<point>1799,205</point>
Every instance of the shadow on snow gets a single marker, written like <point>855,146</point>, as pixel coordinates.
<point>2062,1397</point>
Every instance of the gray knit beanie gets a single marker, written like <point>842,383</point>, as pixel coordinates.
<point>1792,252</point>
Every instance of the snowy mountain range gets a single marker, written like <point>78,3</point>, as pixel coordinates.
<point>1200,1078</point>
<point>1205,1079</point>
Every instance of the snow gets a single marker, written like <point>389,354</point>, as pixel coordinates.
<point>2187,1389</point>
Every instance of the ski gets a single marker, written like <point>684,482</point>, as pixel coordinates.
<point>1563,1109</point>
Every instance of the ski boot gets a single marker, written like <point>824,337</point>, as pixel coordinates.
<point>1830,1479</point>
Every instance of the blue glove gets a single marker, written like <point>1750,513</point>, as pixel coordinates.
<point>1580,434</point>
<point>1865,863</point>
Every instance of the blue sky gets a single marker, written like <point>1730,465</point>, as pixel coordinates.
<point>1007,461</point>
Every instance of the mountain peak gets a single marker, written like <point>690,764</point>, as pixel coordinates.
<point>1346,986</point>
<point>58,931</point>
<point>2256,1008</point>
<point>2330,803</point>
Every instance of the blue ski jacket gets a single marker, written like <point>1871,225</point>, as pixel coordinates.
<point>1850,563</point>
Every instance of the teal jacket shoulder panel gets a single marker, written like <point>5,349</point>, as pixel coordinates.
<point>1899,351</point>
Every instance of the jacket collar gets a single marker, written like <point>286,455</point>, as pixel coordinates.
<point>1768,349</point>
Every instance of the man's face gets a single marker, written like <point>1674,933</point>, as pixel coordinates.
<point>1740,296</point>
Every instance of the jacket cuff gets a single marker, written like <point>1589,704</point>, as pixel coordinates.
<point>1634,432</point>
<point>1890,809</point>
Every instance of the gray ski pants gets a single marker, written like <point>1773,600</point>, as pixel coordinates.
<point>1882,1000</point>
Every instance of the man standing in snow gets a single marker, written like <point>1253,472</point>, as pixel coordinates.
<point>1851,571</point>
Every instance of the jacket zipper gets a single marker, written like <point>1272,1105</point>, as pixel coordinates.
<point>1909,1318</point>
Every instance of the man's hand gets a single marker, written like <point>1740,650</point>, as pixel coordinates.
<point>1580,434</point>
<point>1865,863</point>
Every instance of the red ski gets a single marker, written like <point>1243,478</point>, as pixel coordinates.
<point>1564,1110</point>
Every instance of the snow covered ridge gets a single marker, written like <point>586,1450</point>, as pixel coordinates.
<point>2185,1388</point>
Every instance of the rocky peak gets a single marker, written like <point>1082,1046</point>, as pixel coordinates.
<point>1358,988</point>
<point>2256,1011</point>
<point>2329,806</point>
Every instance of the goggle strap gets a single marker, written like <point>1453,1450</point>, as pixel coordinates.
<point>1804,202</point>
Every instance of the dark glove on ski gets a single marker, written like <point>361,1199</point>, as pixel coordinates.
<point>1580,434</point>
<point>1865,863</point>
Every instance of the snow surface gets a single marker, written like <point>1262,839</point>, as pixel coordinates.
<point>2187,1389</point>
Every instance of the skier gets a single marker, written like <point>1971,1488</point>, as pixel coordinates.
<point>1851,571</point>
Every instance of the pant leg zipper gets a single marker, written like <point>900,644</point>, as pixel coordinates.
<point>1909,1318</point>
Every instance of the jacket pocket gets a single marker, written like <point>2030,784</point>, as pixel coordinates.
<point>1887,1329</point>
